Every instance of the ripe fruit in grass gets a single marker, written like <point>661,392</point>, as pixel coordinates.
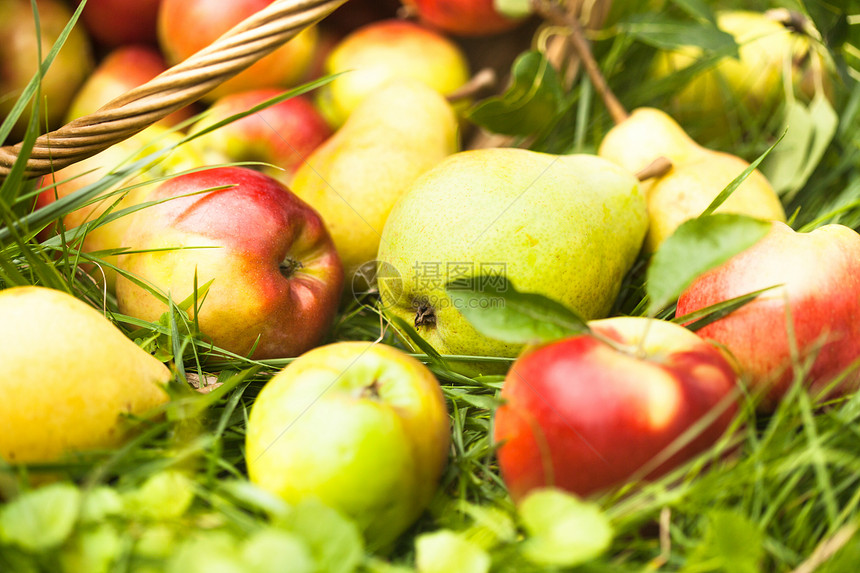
<point>362,427</point>
<point>816,308</point>
<point>380,51</point>
<point>584,415</point>
<point>697,176</point>
<point>565,226</point>
<point>19,59</point>
<point>121,70</point>
<point>276,277</point>
<point>111,235</point>
<point>463,17</point>
<point>69,377</point>
<point>356,177</point>
<point>187,26</point>
<point>754,82</point>
<point>283,134</point>
<point>114,23</point>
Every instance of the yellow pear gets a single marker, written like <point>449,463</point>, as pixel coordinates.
<point>69,377</point>
<point>696,178</point>
<point>355,178</point>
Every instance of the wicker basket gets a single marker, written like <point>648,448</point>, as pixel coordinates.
<point>174,89</point>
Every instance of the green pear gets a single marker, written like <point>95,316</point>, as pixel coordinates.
<point>355,177</point>
<point>697,176</point>
<point>69,377</point>
<point>565,226</point>
<point>769,53</point>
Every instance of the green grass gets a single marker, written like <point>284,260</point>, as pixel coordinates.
<point>780,492</point>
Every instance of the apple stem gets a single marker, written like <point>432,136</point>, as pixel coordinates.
<point>657,168</point>
<point>289,266</point>
<point>551,12</point>
<point>484,79</point>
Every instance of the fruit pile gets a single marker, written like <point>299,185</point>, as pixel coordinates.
<point>474,285</point>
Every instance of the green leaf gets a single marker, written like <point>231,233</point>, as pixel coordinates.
<point>41,519</point>
<point>505,314</point>
<point>808,133</point>
<point>562,530</point>
<point>334,541</point>
<point>695,247</point>
<point>447,551</point>
<point>273,550</point>
<point>167,494</point>
<point>529,105</point>
<point>668,34</point>
<point>698,9</point>
<point>93,550</point>
<point>731,543</point>
<point>207,552</point>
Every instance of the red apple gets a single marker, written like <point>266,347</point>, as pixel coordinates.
<point>463,17</point>
<point>585,415</point>
<point>121,70</point>
<point>119,22</point>
<point>816,310</point>
<point>283,134</point>
<point>187,26</point>
<point>19,59</point>
<point>276,277</point>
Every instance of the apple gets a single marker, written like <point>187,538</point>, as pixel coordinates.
<point>121,70</point>
<point>361,426</point>
<point>276,278</point>
<point>19,59</point>
<point>114,23</point>
<point>463,17</point>
<point>587,413</point>
<point>187,26</point>
<point>815,309</point>
<point>381,51</point>
<point>357,13</point>
<point>111,235</point>
<point>283,134</point>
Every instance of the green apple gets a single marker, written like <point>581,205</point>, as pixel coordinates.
<point>568,227</point>
<point>380,51</point>
<point>362,427</point>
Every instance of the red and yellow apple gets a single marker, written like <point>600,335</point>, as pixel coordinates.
<point>811,319</point>
<point>463,17</point>
<point>587,413</point>
<point>283,134</point>
<point>275,276</point>
<point>187,26</point>
<point>121,70</point>
<point>378,52</point>
<point>362,427</point>
<point>114,23</point>
<point>19,59</point>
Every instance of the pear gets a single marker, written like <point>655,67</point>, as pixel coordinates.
<point>769,52</point>
<point>697,176</point>
<point>69,377</point>
<point>565,226</point>
<point>355,177</point>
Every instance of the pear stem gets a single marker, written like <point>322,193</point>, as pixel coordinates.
<point>484,79</point>
<point>577,37</point>
<point>657,168</point>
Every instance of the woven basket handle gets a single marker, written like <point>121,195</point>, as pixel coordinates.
<point>175,88</point>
